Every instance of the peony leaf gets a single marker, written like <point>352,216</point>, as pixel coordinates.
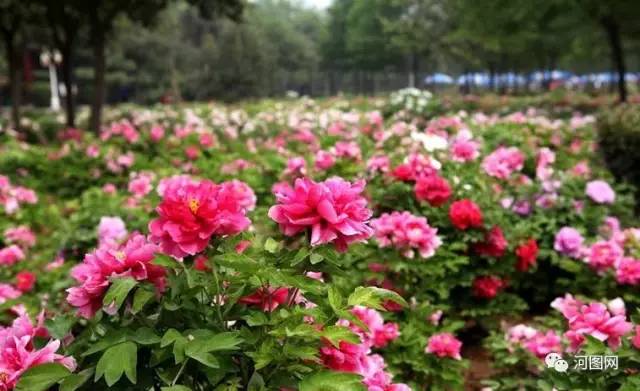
<point>118,291</point>
<point>332,381</point>
<point>116,361</point>
<point>42,377</point>
<point>374,297</point>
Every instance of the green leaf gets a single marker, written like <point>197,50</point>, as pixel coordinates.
<point>204,358</point>
<point>175,388</point>
<point>316,258</point>
<point>42,377</point>
<point>336,301</point>
<point>76,380</point>
<point>166,261</point>
<point>222,341</point>
<point>116,361</point>
<point>256,382</point>
<point>332,381</point>
<point>200,348</point>
<point>271,246</point>
<point>60,325</point>
<point>239,262</point>
<point>173,336</point>
<point>335,334</point>
<point>373,297</point>
<point>140,299</point>
<point>118,292</point>
<point>169,337</point>
<point>112,338</point>
<point>300,256</point>
<point>256,319</point>
<point>145,336</point>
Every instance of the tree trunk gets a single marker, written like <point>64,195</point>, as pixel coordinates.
<point>67,80</point>
<point>99,69</point>
<point>492,76</point>
<point>15,78</point>
<point>412,70</point>
<point>612,29</point>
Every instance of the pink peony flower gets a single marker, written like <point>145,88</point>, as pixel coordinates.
<point>568,242</point>
<point>207,140</point>
<point>435,317</point>
<point>347,357</point>
<point>378,163</point>
<point>604,255</point>
<point>502,162</point>
<point>357,358</point>
<point>94,274</point>
<point>8,292</point>
<point>463,148</point>
<point>334,210</point>
<point>444,345</point>
<point>407,233</point>
<point>521,333</point>
<point>18,351</point>
<point>156,133</point>
<point>600,192</point>
<point>347,149</point>
<point>378,333</point>
<point>21,235</point>
<point>545,158</point>
<point>192,152</point>
<point>595,320</point>
<point>10,255</point>
<point>324,160</point>
<point>140,185</point>
<point>93,151</point>
<point>109,188</point>
<point>581,169</point>
<point>296,166</point>
<point>635,340</point>
<point>111,230</point>
<point>240,191</point>
<point>567,305</point>
<point>544,343</point>
<point>628,271</point>
<point>191,212</point>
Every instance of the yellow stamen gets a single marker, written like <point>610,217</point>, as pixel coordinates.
<point>3,377</point>
<point>120,255</point>
<point>194,205</point>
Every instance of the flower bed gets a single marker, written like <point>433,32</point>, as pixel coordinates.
<point>315,248</point>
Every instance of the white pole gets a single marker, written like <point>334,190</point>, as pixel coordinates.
<point>53,82</point>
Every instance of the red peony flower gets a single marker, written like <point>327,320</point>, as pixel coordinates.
<point>494,244</point>
<point>25,281</point>
<point>191,212</point>
<point>334,210</point>
<point>201,263</point>
<point>527,253</point>
<point>465,214</point>
<point>434,189</point>
<point>268,299</point>
<point>488,287</point>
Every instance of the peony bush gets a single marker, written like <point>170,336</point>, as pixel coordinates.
<point>341,245</point>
